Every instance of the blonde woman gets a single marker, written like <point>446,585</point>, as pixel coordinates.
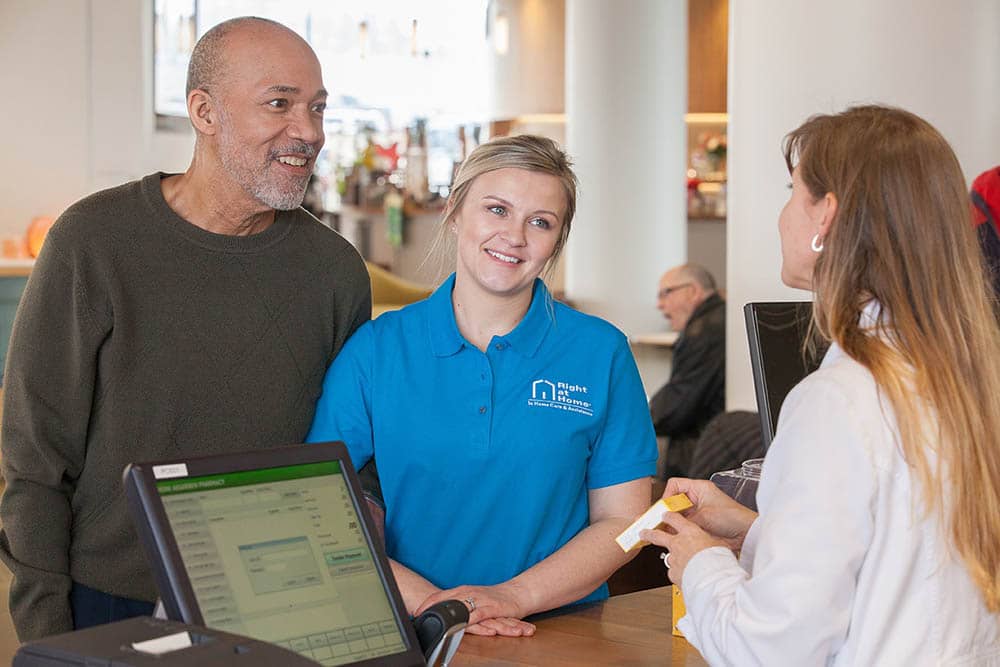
<point>878,539</point>
<point>511,433</point>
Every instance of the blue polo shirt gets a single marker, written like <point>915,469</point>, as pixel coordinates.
<point>486,458</point>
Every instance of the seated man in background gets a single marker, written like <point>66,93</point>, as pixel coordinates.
<point>687,297</point>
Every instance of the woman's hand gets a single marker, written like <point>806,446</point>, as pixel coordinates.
<point>683,538</point>
<point>502,626</point>
<point>493,610</point>
<point>714,512</point>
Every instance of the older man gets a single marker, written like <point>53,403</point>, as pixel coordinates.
<point>178,314</point>
<point>687,297</point>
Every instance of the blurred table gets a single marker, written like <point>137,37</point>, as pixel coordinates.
<point>631,629</point>
<point>653,353</point>
<point>13,277</point>
<point>658,339</point>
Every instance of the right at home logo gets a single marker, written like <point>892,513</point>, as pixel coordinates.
<point>561,396</point>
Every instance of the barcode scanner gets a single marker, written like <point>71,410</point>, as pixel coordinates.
<point>440,630</point>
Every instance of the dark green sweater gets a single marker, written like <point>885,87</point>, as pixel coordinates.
<point>139,337</point>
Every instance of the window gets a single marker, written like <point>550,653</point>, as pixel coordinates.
<point>401,59</point>
<point>386,64</point>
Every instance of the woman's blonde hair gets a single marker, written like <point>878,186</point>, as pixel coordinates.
<point>903,235</point>
<point>525,151</point>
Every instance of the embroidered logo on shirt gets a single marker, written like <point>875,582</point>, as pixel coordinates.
<point>561,396</point>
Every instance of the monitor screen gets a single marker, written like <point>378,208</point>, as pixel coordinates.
<point>279,554</point>
<point>776,332</point>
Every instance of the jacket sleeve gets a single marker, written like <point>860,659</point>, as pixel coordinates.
<point>48,391</point>
<point>817,521</point>
<point>697,362</point>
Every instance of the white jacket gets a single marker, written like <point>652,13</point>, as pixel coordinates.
<point>842,567</point>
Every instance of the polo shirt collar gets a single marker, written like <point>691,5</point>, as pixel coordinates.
<point>445,337</point>
<point>526,337</point>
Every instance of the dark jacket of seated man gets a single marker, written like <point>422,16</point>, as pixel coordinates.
<point>696,390</point>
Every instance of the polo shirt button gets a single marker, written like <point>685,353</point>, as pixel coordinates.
<point>482,409</point>
<point>499,346</point>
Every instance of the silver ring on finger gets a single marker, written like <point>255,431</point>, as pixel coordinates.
<point>472,604</point>
<point>666,559</point>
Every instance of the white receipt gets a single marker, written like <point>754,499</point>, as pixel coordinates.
<point>170,470</point>
<point>165,644</point>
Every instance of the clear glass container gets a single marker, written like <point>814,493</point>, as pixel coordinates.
<point>740,484</point>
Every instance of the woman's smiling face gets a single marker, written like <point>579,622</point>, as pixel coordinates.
<point>508,228</point>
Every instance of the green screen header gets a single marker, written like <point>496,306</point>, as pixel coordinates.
<point>247,478</point>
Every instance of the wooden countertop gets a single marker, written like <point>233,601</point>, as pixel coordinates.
<point>629,629</point>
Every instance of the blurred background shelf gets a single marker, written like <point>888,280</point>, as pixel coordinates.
<point>18,268</point>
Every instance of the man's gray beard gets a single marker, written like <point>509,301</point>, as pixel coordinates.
<point>272,196</point>
<point>256,184</point>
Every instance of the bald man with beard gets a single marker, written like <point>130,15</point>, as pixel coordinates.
<point>180,314</point>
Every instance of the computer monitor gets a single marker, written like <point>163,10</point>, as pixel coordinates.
<point>276,545</point>
<point>776,332</point>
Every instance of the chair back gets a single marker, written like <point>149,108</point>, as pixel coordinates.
<point>728,440</point>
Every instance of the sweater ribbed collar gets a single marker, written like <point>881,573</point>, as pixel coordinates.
<point>153,193</point>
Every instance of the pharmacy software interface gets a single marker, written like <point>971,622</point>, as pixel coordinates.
<point>278,554</point>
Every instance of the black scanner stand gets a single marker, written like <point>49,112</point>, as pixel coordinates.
<point>439,630</point>
<point>111,646</point>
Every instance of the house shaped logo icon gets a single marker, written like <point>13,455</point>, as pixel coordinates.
<point>543,390</point>
<point>565,396</point>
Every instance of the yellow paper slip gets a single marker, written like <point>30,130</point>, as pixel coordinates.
<point>679,611</point>
<point>651,518</point>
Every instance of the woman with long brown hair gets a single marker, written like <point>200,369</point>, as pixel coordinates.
<point>878,539</point>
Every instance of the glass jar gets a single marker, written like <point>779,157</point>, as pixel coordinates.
<point>740,484</point>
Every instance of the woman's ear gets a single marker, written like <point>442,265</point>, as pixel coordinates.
<point>451,214</point>
<point>826,213</point>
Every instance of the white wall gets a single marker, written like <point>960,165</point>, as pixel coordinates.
<point>43,166</point>
<point>706,245</point>
<point>790,59</point>
<point>125,144</point>
<point>79,111</point>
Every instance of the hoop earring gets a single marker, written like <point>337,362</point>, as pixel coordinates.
<point>817,244</point>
